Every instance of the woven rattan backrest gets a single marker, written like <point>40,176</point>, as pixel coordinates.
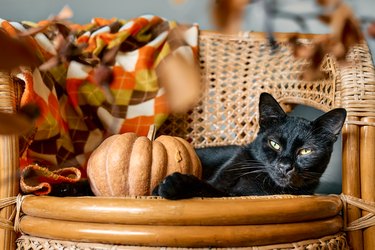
<point>8,157</point>
<point>235,70</point>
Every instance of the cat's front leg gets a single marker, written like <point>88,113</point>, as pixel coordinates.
<point>182,186</point>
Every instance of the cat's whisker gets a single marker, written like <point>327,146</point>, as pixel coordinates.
<point>312,172</point>
<point>329,175</point>
<point>310,175</point>
<point>264,181</point>
<point>243,168</point>
<point>247,162</point>
<point>292,187</point>
<point>260,171</point>
<point>325,178</point>
<point>247,165</point>
<point>259,174</point>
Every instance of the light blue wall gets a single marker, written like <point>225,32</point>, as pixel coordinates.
<point>84,10</point>
<point>192,11</point>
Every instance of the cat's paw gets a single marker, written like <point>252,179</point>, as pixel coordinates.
<point>177,186</point>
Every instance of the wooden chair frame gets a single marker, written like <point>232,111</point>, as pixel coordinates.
<point>235,69</point>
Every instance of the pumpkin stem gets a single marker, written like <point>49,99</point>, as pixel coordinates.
<point>151,132</point>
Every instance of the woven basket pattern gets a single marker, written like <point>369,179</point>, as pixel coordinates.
<point>234,72</point>
<point>356,85</point>
<point>8,158</point>
<point>334,242</point>
<point>8,94</point>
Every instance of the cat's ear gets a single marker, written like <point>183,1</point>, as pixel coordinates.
<point>269,110</point>
<point>331,121</point>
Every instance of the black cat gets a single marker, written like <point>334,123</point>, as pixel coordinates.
<point>288,156</point>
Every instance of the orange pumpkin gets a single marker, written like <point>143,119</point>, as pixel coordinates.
<point>127,164</point>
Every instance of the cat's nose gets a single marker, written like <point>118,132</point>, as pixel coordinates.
<point>285,168</point>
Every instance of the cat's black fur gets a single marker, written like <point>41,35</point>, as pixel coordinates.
<point>260,168</point>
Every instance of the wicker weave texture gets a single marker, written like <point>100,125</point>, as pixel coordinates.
<point>235,70</point>
<point>8,159</point>
<point>334,242</point>
<point>356,85</point>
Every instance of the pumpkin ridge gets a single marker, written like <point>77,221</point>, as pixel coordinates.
<point>92,167</point>
<point>129,138</point>
<point>139,166</point>
<point>187,167</point>
<point>159,164</point>
<point>93,185</point>
<point>178,156</point>
<point>196,166</point>
<point>106,165</point>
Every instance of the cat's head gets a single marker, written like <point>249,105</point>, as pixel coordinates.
<point>295,151</point>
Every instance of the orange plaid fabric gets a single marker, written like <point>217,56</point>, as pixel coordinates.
<point>77,113</point>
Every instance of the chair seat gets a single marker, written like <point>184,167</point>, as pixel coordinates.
<point>152,221</point>
<point>25,242</point>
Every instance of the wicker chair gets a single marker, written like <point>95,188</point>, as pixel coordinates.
<point>234,69</point>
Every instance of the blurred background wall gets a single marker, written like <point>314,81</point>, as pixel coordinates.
<point>198,11</point>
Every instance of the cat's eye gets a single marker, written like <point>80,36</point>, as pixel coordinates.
<point>304,151</point>
<point>274,145</point>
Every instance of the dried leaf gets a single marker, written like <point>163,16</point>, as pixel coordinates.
<point>58,22</point>
<point>109,56</point>
<point>346,30</point>
<point>311,74</point>
<point>371,29</point>
<point>228,14</point>
<point>67,51</point>
<point>179,74</point>
<point>115,26</point>
<point>325,19</point>
<point>103,75</point>
<point>179,1</point>
<point>61,35</point>
<point>15,52</point>
<point>15,123</point>
<point>346,33</point>
<point>329,3</point>
<point>313,71</point>
<point>31,111</point>
<point>63,28</point>
<point>314,53</point>
<point>300,50</point>
<point>59,42</point>
<point>33,31</point>
<point>181,80</point>
<point>65,13</point>
<point>49,64</point>
<point>270,11</point>
<point>317,55</point>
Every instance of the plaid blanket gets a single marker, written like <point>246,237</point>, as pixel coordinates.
<point>77,113</point>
